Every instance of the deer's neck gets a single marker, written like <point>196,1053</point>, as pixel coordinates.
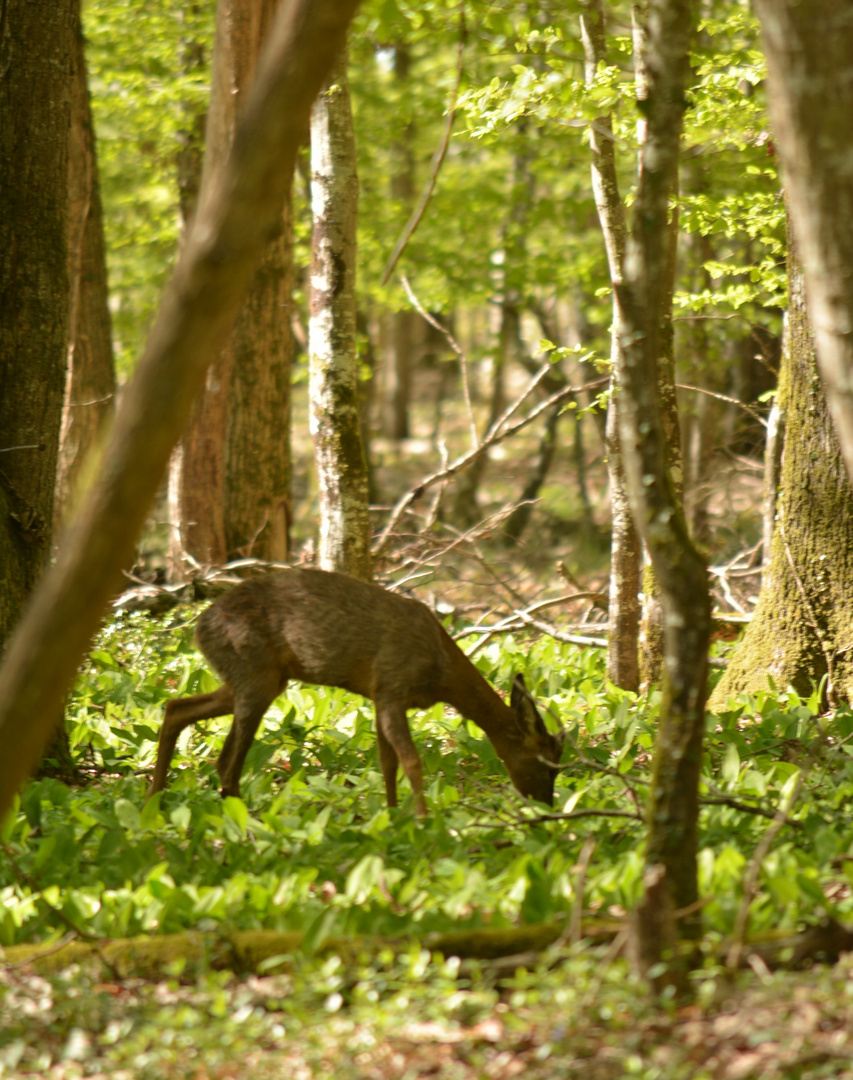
<point>472,696</point>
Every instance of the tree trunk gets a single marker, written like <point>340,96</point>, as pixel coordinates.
<point>641,295</point>
<point>213,274</point>
<point>652,632</point>
<point>809,50</point>
<point>90,379</point>
<point>231,481</point>
<point>624,605</point>
<point>399,358</point>
<point>37,49</point>
<point>803,624</point>
<point>333,354</point>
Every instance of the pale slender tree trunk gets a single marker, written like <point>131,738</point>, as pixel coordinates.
<point>231,481</point>
<point>624,604</point>
<point>333,355</point>
<point>809,50</point>
<point>90,379</point>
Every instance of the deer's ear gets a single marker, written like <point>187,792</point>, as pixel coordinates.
<point>525,709</point>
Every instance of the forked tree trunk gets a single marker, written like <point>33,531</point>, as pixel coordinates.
<point>333,354</point>
<point>641,283</point>
<point>680,571</point>
<point>231,481</point>
<point>803,625</point>
<point>90,379</point>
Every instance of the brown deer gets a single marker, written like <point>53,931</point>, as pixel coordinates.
<point>333,630</point>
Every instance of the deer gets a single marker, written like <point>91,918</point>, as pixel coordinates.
<point>329,629</point>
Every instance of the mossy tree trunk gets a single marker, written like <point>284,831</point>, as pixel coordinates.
<point>809,50</point>
<point>641,294</point>
<point>803,624</point>
<point>333,353</point>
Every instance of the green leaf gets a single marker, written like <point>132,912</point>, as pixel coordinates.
<point>128,815</point>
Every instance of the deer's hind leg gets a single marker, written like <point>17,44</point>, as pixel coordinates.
<point>180,713</point>
<point>251,701</point>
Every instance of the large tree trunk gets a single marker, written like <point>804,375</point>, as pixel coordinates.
<point>333,354</point>
<point>37,49</point>
<point>199,307</point>
<point>803,624</point>
<point>90,380</point>
<point>232,485</point>
<point>809,49</point>
<point>624,605</point>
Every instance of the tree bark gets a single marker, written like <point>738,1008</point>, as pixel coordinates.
<point>809,50</point>
<point>37,49</point>
<point>231,481</point>
<point>333,352</point>
<point>197,313</point>
<point>641,296</point>
<point>90,379</point>
<point>803,623</point>
<point>624,605</point>
<point>399,365</point>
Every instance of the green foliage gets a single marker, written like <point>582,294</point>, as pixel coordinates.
<point>146,94</point>
<point>315,848</point>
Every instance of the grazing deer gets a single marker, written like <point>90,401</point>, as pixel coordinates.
<point>333,630</point>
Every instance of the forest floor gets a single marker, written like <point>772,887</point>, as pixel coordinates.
<point>571,1020</point>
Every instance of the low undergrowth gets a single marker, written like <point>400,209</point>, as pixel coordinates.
<point>312,847</point>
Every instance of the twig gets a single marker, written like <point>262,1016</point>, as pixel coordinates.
<point>535,819</point>
<point>492,438</point>
<point>72,935</point>
<point>432,514</point>
<point>437,159</point>
<point>736,804</point>
<point>451,341</point>
<point>576,924</point>
<point>750,878</point>
<point>729,400</point>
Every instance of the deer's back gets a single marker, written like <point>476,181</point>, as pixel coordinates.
<point>330,629</point>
